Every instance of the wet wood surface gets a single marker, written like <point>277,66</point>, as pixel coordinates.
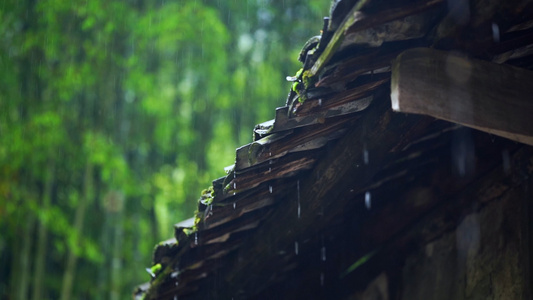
<point>483,95</point>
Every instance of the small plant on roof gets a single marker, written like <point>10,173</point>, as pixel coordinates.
<point>154,270</point>
<point>207,196</point>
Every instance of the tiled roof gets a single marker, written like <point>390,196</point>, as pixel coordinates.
<point>313,196</point>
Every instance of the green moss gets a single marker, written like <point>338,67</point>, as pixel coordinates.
<point>190,231</point>
<point>207,196</point>
<point>309,81</point>
<point>161,277</point>
<point>156,268</point>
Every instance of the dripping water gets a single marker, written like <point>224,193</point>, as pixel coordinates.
<point>368,202</point>
<point>296,248</point>
<point>495,32</point>
<point>365,155</point>
<point>298,197</point>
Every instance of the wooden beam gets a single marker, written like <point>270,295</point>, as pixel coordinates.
<point>494,98</point>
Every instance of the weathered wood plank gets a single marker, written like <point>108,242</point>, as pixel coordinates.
<point>393,24</point>
<point>378,131</point>
<point>284,122</point>
<point>486,96</point>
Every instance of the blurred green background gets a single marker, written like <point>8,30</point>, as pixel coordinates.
<point>114,115</point>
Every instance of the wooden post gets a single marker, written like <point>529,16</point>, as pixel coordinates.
<point>494,98</point>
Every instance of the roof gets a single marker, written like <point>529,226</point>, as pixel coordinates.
<point>331,181</point>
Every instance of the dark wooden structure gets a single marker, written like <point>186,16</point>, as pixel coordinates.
<point>342,197</point>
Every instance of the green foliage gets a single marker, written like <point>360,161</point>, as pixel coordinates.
<point>127,108</point>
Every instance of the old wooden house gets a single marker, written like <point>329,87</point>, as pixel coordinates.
<point>401,167</point>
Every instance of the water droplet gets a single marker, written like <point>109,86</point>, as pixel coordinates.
<point>319,102</point>
<point>296,248</point>
<point>323,253</point>
<point>495,32</point>
<point>269,153</point>
<point>270,189</point>
<point>298,197</point>
<point>175,297</point>
<point>365,155</point>
<point>234,205</point>
<point>368,202</point>
<point>196,238</point>
<point>269,170</point>
<point>322,279</point>
<point>234,186</point>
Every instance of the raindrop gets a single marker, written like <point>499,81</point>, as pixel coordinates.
<point>365,155</point>
<point>269,170</point>
<point>298,190</point>
<point>322,279</point>
<point>175,297</point>
<point>269,153</point>
<point>234,205</point>
<point>270,189</point>
<point>368,204</point>
<point>495,32</point>
<point>234,185</point>
<point>319,102</point>
<point>323,253</point>
<point>196,238</point>
<point>296,248</point>
<point>463,153</point>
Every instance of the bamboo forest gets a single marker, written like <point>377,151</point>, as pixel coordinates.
<point>114,115</point>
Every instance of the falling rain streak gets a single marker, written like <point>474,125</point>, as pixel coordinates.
<point>296,248</point>
<point>368,202</point>
<point>298,197</point>
<point>365,155</point>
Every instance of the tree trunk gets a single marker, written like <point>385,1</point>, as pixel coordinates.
<point>40,256</point>
<point>116,265</point>
<point>70,270</point>
<point>24,262</point>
